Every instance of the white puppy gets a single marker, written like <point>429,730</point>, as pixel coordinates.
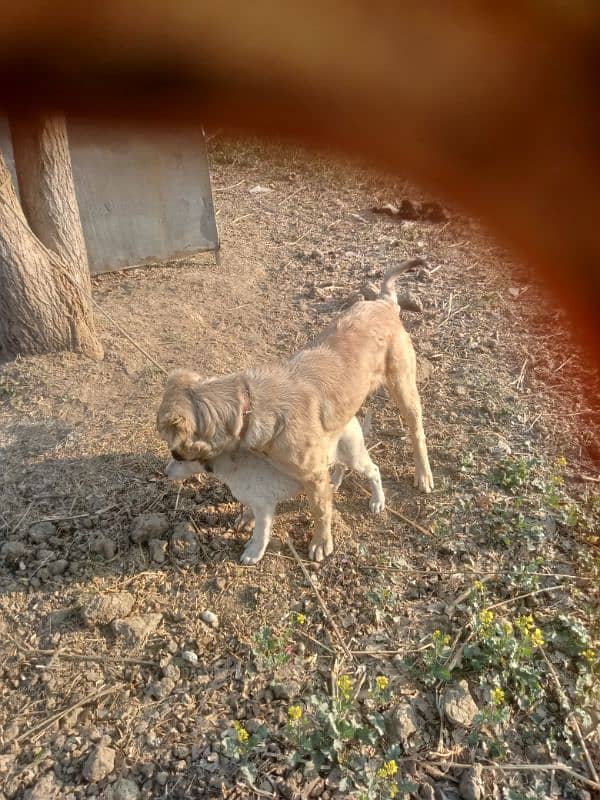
<point>259,485</point>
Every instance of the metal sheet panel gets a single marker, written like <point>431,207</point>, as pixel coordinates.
<point>143,196</point>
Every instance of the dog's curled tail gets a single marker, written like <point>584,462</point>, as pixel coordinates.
<point>388,287</point>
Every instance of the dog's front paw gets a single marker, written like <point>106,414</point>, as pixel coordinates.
<point>252,554</point>
<point>377,505</point>
<point>320,547</point>
<point>424,480</point>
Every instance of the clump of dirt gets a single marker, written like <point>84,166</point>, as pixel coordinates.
<point>138,658</point>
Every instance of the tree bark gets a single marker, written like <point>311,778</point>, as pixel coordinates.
<point>45,289</point>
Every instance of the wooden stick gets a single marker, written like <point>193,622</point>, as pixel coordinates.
<point>37,729</point>
<point>575,725</point>
<point>227,188</point>
<point>127,336</point>
<point>99,658</point>
<point>527,768</point>
<point>320,600</point>
<point>527,594</point>
<point>22,518</point>
<point>395,513</point>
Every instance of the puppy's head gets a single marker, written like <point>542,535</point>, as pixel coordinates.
<point>182,470</point>
<point>198,419</point>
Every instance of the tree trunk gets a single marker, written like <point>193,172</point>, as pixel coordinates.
<point>45,290</point>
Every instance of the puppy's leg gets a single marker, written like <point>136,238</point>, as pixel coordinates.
<point>353,452</point>
<point>402,385</point>
<point>255,549</point>
<point>245,520</point>
<point>337,476</point>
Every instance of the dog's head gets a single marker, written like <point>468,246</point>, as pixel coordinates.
<point>200,418</point>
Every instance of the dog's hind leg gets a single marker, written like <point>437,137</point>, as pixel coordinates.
<point>401,372</point>
<point>255,549</point>
<point>319,495</point>
<point>352,452</point>
<point>245,520</point>
<point>337,476</point>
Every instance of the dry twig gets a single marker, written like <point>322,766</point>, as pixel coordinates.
<point>41,726</point>
<point>320,600</point>
<point>573,721</point>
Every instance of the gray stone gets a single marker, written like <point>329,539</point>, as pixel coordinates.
<point>410,302</point>
<point>46,788</point>
<point>285,691</point>
<point>401,722</point>
<point>99,764</point>
<point>158,690</point>
<point>427,792</point>
<point>459,707</point>
<point>184,541</point>
<point>369,291</point>
<point>41,531</point>
<point>58,567</point>
<point>210,618</point>
<point>13,550</point>
<point>471,786</point>
<point>172,671</point>
<point>158,550</point>
<point>135,630</point>
<point>149,526</point>
<point>104,547</point>
<point>122,789</point>
<point>100,609</point>
<point>190,657</point>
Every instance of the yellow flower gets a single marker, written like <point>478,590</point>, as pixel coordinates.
<point>242,733</point>
<point>589,655</point>
<point>382,683</point>
<point>440,638</point>
<point>561,461</point>
<point>393,791</point>
<point>345,686</point>
<point>479,586</point>
<point>300,619</point>
<point>486,617</point>
<point>507,628</point>
<point>388,770</point>
<point>497,695</point>
<point>524,623</point>
<point>294,713</point>
<point>537,638</point>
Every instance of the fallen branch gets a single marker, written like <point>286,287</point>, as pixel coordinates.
<point>97,659</point>
<point>130,338</point>
<point>572,719</point>
<point>41,726</point>
<point>396,514</point>
<point>527,768</point>
<point>527,594</point>
<point>320,600</point>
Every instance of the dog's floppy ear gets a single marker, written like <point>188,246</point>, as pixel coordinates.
<point>174,425</point>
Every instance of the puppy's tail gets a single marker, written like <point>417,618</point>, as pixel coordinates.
<point>388,287</point>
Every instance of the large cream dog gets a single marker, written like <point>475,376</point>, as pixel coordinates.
<point>291,413</point>
<point>259,485</point>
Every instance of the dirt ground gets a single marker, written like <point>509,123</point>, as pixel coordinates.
<point>114,686</point>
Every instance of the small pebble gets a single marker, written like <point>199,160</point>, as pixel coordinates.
<point>209,618</point>
<point>190,657</point>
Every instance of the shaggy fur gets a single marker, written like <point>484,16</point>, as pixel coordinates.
<point>291,413</point>
<point>260,485</point>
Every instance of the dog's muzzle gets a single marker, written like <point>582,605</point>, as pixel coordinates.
<point>177,456</point>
